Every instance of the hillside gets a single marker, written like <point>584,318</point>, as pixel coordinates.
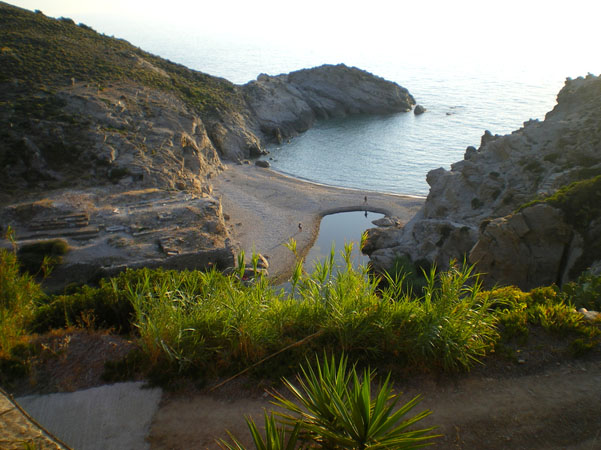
<point>113,150</point>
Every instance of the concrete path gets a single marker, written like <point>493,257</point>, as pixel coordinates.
<point>115,417</point>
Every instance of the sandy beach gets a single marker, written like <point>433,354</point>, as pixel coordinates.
<point>265,208</point>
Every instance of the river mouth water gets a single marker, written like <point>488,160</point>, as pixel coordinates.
<point>339,229</point>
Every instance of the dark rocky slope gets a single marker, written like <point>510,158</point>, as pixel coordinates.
<point>471,209</point>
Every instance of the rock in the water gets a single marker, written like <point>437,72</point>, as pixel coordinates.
<point>387,222</point>
<point>419,109</point>
<point>262,163</point>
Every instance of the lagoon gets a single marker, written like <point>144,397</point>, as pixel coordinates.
<point>337,230</point>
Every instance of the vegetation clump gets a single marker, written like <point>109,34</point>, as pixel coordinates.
<point>20,295</point>
<point>42,255</point>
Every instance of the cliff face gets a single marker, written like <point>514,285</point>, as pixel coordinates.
<point>494,180</point>
<point>113,149</point>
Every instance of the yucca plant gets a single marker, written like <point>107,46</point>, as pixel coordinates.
<point>336,410</point>
<point>276,437</point>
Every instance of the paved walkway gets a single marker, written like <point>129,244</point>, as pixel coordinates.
<point>115,417</point>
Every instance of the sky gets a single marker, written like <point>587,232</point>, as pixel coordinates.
<point>525,32</point>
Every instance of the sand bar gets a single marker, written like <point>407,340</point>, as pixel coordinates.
<point>265,208</point>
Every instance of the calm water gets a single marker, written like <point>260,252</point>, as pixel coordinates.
<point>340,229</point>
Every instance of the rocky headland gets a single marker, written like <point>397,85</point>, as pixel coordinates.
<point>288,104</point>
<point>524,206</point>
<point>113,150</point>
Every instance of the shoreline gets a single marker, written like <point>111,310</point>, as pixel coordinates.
<point>317,183</point>
<point>263,209</point>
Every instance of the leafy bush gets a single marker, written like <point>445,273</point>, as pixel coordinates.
<point>43,255</point>
<point>585,292</point>
<point>411,275</point>
<point>103,307</point>
<point>276,437</point>
<point>547,307</point>
<point>193,322</point>
<point>204,324</point>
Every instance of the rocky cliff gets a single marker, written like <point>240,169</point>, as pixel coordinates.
<point>472,207</point>
<point>113,149</point>
<point>288,104</point>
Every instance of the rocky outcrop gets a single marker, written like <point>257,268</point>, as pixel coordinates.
<point>108,229</point>
<point>494,180</point>
<point>532,248</point>
<point>286,105</point>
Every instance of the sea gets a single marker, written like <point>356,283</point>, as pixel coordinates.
<point>464,94</point>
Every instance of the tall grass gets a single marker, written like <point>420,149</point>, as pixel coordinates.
<point>204,324</point>
<point>19,297</point>
<point>192,322</point>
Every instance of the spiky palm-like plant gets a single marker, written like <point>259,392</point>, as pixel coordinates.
<point>276,437</point>
<point>335,408</point>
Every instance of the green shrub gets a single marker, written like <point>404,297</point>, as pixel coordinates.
<point>19,296</point>
<point>42,256</point>
<point>276,436</point>
<point>105,307</point>
<point>584,292</point>
<point>546,307</point>
<point>411,275</point>
<point>192,323</point>
<point>477,203</point>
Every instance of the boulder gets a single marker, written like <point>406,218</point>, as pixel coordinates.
<point>590,316</point>
<point>528,249</point>
<point>262,163</point>
<point>419,109</point>
<point>387,222</point>
<point>379,238</point>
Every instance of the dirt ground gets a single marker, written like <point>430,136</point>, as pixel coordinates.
<point>543,399</point>
<point>552,407</point>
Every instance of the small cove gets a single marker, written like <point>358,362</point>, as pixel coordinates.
<point>339,229</point>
